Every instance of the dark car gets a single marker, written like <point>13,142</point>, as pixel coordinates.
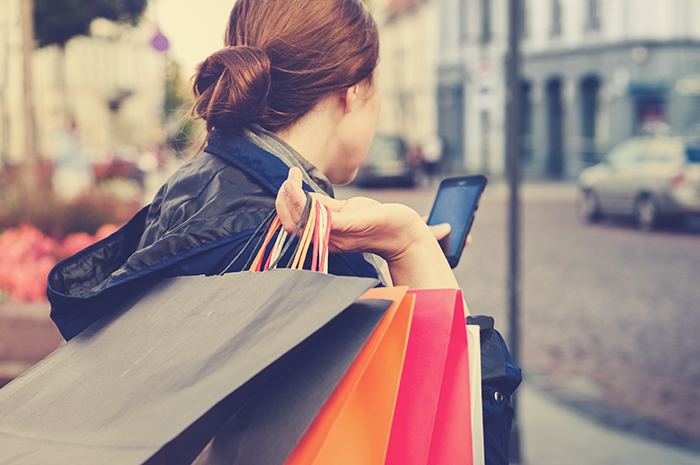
<point>650,178</point>
<point>386,164</point>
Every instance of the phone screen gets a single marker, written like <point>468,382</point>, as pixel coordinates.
<point>455,204</point>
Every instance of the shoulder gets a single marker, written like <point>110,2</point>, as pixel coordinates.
<point>205,193</point>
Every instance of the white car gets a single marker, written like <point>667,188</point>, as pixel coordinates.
<point>650,178</point>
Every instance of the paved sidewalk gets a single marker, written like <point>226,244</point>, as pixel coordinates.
<point>552,434</point>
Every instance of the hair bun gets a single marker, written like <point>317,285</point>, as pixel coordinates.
<point>231,88</point>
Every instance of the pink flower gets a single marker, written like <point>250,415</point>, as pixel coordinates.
<point>74,243</point>
<point>104,231</point>
<point>27,256</point>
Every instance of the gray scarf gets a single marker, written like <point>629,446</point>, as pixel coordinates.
<point>270,142</point>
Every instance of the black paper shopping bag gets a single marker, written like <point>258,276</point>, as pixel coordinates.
<point>160,377</point>
<point>268,428</point>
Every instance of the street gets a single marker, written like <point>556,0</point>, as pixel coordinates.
<point>609,315</point>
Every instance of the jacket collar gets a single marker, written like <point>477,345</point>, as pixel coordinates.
<point>267,168</point>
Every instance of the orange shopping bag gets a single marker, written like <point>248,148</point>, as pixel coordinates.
<point>432,423</point>
<point>353,426</point>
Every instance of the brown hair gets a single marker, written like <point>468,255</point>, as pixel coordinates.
<point>282,58</point>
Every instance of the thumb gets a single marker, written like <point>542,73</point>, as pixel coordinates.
<point>441,230</point>
<point>290,200</point>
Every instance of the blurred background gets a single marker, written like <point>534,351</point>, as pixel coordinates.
<point>95,114</point>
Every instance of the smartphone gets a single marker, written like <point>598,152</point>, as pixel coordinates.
<point>456,203</point>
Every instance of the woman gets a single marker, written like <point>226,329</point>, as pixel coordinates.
<point>290,105</point>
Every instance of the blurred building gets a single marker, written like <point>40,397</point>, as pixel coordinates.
<point>408,60</point>
<point>111,85</point>
<point>471,83</point>
<point>595,72</point>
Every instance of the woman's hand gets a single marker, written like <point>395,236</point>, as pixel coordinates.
<point>358,224</point>
<point>393,231</point>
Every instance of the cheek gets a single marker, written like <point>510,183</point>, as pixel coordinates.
<point>379,103</point>
<point>343,174</point>
<point>349,162</point>
<point>374,108</point>
<point>357,141</point>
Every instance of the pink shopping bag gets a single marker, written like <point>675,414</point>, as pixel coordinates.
<point>432,421</point>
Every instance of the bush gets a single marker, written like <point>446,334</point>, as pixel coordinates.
<point>28,256</point>
<point>40,229</point>
<point>56,218</point>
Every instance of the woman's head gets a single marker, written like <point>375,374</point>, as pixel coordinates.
<point>282,58</point>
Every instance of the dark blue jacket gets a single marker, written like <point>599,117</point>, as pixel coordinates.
<point>197,224</point>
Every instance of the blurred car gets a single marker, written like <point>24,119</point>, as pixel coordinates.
<point>386,164</point>
<point>650,178</point>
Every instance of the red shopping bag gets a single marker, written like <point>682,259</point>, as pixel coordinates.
<point>432,422</point>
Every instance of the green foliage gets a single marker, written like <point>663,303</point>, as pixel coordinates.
<point>174,94</point>
<point>186,134</point>
<point>182,128</point>
<point>58,21</point>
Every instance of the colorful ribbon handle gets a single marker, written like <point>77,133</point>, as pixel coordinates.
<point>315,237</point>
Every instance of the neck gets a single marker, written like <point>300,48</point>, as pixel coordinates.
<point>313,137</point>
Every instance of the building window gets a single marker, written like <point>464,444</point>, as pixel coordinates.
<point>590,87</point>
<point>556,18</point>
<point>593,21</point>
<point>485,123</point>
<point>485,21</point>
<point>555,128</point>
<point>524,20</point>
<point>526,120</point>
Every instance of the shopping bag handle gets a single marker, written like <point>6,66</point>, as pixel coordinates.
<point>314,238</point>
<point>271,224</point>
<point>259,233</point>
<point>317,226</point>
<point>264,225</point>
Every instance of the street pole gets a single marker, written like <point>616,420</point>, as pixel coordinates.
<point>513,155</point>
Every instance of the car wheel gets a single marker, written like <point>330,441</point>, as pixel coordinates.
<point>646,213</point>
<point>587,207</point>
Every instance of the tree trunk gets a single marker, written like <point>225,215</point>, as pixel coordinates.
<point>30,164</point>
<point>5,149</point>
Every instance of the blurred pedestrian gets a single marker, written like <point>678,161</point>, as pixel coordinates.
<point>432,149</point>
<point>72,174</point>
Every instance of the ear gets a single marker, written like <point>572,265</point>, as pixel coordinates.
<point>349,97</point>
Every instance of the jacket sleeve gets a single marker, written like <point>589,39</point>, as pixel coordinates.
<point>500,376</point>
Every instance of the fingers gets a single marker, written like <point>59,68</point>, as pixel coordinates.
<point>295,176</point>
<point>294,199</point>
<point>291,200</point>
<point>469,240</point>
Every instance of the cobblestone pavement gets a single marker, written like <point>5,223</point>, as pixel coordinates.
<point>610,316</point>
